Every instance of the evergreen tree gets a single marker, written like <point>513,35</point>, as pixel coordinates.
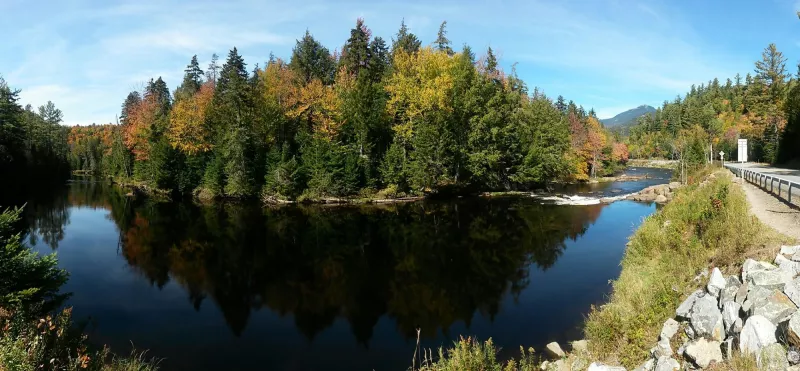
<point>442,43</point>
<point>310,60</point>
<point>212,74</point>
<point>405,40</point>
<point>192,80</point>
<point>356,51</point>
<point>771,69</point>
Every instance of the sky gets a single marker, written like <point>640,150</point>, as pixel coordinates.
<point>610,55</point>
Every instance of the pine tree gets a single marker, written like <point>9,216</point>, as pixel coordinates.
<point>356,52</point>
<point>561,105</point>
<point>442,44</point>
<point>771,69</point>
<point>192,80</point>
<point>212,74</point>
<point>310,60</point>
<point>405,40</point>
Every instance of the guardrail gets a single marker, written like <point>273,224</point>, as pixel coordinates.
<point>763,180</point>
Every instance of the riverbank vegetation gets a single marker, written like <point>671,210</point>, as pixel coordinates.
<point>402,118</point>
<point>35,333</point>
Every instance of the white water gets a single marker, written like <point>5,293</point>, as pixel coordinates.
<point>580,200</point>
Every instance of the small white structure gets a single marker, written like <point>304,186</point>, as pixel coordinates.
<point>742,150</point>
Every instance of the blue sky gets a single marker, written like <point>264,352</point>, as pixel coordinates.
<point>86,55</point>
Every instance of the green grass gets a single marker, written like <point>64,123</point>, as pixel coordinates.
<point>469,354</point>
<point>704,226</point>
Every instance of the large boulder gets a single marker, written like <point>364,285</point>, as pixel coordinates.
<point>703,352</point>
<point>772,358</point>
<point>755,295</point>
<point>706,318</point>
<point>716,283</point>
<point>674,185</point>
<point>741,293</point>
<point>686,307</point>
<point>580,346</point>
<point>777,308</point>
<point>661,199</point>
<point>667,364</point>
<point>775,279</point>
<point>751,265</point>
<point>757,333</point>
<point>730,313</point>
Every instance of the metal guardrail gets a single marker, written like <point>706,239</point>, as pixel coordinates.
<point>763,180</point>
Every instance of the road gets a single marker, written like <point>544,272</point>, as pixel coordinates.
<point>788,174</point>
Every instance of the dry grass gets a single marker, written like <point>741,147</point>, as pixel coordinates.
<point>704,226</point>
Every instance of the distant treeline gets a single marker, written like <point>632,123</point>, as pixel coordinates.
<point>763,108</point>
<point>404,118</point>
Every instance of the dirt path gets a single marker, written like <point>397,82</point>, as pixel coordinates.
<point>772,211</point>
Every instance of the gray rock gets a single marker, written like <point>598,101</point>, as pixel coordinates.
<point>661,199</point>
<point>674,185</point>
<point>730,313</point>
<point>690,333</point>
<point>793,355</point>
<point>597,366</point>
<point>554,350</point>
<point>669,329</point>
<point>580,346</point>
<point>792,290</point>
<point>777,308</point>
<point>789,250</point>
<point>793,329</point>
<point>751,265</point>
<point>738,325</point>
<point>667,364</point>
<point>796,256</point>
<point>649,365</point>
<point>757,333</point>
<point>716,283</point>
<point>727,294</point>
<point>703,352</point>
<point>662,348</point>
<point>756,294</point>
<point>770,279</point>
<point>772,358</point>
<point>706,318</point>
<point>741,293</point>
<point>786,265</point>
<point>686,307</point>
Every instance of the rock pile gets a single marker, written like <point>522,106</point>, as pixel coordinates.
<point>754,313</point>
<point>660,193</point>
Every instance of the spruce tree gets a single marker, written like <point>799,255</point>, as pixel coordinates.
<point>405,40</point>
<point>442,44</point>
<point>311,60</point>
<point>356,52</point>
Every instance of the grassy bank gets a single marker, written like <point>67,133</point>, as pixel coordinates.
<point>706,225</point>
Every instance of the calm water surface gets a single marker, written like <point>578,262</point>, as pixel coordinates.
<point>240,287</point>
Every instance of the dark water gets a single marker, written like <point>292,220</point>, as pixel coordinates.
<point>240,287</point>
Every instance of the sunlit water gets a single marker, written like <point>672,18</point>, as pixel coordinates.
<point>240,287</point>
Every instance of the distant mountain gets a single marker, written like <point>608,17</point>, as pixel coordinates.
<point>628,118</point>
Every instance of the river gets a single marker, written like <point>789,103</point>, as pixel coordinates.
<point>239,287</point>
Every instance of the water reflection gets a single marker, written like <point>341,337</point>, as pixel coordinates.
<point>428,265</point>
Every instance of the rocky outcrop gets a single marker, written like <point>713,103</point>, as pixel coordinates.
<point>660,193</point>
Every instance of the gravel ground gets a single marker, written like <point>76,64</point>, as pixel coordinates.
<point>772,211</point>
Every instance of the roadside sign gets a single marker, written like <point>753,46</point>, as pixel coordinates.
<point>741,150</point>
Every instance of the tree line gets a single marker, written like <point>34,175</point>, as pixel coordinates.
<point>763,107</point>
<point>399,119</point>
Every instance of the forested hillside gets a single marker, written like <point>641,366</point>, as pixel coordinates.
<point>763,107</point>
<point>628,117</point>
<point>404,118</point>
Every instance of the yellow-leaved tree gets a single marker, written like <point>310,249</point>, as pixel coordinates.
<point>187,122</point>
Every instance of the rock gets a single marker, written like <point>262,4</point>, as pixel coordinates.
<point>793,355</point>
<point>792,290</point>
<point>580,346</point>
<point>772,358</point>
<point>647,197</point>
<point>757,333</point>
<point>730,313</point>
<point>690,333</point>
<point>770,279</point>
<point>686,307</point>
<point>741,293</point>
<point>606,200</point>
<point>793,329</point>
<point>554,350</point>
<point>647,366</point>
<point>597,366</point>
<point>662,348</point>
<point>674,185</point>
<point>703,352</point>
<point>716,283</point>
<point>661,199</point>
<point>543,365</point>
<point>667,364</point>
<point>789,250</point>
<point>669,329</point>
<point>777,308</point>
<point>706,318</point>
<point>728,294</point>
<point>793,368</point>
<point>751,265</point>
<point>738,325</point>
<point>796,256</point>
<point>786,265</point>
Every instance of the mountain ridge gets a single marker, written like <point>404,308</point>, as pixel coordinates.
<point>627,118</point>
